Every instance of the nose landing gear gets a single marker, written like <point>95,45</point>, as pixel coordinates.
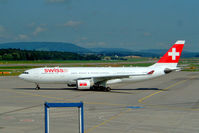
<point>37,87</point>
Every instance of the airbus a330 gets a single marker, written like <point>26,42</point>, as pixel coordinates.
<point>98,78</point>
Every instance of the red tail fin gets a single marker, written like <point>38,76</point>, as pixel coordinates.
<point>173,54</point>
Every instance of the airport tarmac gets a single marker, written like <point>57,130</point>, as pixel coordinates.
<point>169,104</point>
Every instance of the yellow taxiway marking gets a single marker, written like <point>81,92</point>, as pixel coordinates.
<point>106,121</point>
<point>141,100</point>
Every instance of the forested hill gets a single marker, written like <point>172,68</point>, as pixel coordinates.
<point>45,46</point>
<point>69,47</point>
<point>17,54</point>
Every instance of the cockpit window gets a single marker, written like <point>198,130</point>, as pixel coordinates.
<point>25,72</point>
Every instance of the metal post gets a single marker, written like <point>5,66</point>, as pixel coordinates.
<point>46,119</point>
<point>81,118</point>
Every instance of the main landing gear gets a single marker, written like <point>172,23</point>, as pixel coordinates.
<point>107,89</point>
<point>37,87</point>
<point>101,88</point>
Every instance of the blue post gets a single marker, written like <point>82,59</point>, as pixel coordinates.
<point>46,119</point>
<point>82,118</point>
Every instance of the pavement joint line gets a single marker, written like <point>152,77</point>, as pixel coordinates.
<point>20,109</point>
<point>107,121</point>
<point>71,100</point>
<point>110,104</point>
<point>38,95</point>
<point>141,100</point>
<point>51,97</point>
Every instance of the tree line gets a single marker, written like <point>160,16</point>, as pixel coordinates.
<point>18,54</point>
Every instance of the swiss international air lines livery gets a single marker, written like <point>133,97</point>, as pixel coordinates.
<point>99,77</point>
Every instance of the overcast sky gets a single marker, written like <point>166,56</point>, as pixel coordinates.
<point>131,24</point>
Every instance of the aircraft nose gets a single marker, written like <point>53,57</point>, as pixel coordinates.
<point>21,76</point>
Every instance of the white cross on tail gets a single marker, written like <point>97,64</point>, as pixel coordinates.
<point>173,53</point>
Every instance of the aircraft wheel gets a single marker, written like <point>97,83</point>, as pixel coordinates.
<point>107,89</point>
<point>101,88</point>
<point>92,88</point>
<point>37,87</point>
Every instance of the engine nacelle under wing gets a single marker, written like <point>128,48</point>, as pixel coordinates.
<point>84,84</point>
<point>71,85</point>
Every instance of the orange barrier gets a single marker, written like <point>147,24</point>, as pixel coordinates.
<point>1,73</point>
<point>6,73</point>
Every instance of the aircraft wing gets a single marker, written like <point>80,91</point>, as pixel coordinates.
<point>109,77</point>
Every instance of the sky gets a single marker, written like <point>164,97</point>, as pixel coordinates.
<point>129,24</point>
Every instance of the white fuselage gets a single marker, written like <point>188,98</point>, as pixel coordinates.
<point>99,77</point>
<point>69,75</point>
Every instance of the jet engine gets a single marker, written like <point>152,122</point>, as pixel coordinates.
<point>71,85</point>
<point>84,84</point>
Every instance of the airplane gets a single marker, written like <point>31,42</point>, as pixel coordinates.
<point>98,78</point>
